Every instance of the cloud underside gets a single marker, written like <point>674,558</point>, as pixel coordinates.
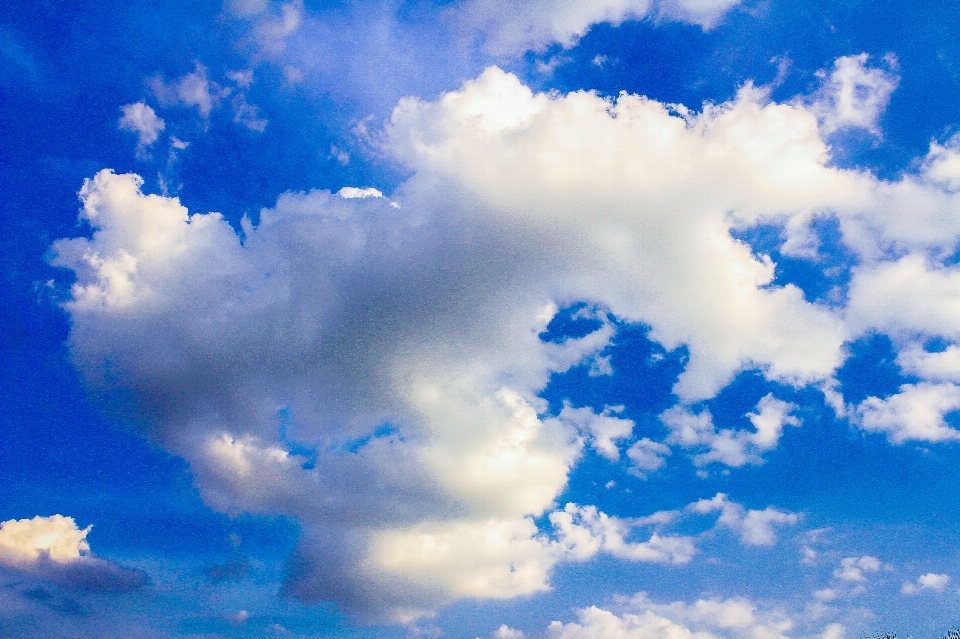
<point>53,550</point>
<point>372,366</point>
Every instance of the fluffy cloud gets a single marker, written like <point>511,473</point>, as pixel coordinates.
<point>603,429</point>
<point>930,581</point>
<point>509,30</point>
<point>915,413</point>
<point>647,456</point>
<point>142,120</point>
<point>755,527</point>
<point>854,95</point>
<point>642,618</point>
<point>55,537</point>
<point>645,230</point>
<point>583,531</point>
<point>55,551</point>
<point>854,568</point>
<point>372,366</point>
<point>731,447</point>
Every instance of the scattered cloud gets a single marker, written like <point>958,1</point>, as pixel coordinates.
<point>603,430</point>
<point>142,120</point>
<point>915,413</point>
<point>930,581</point>
<point>647,456</point>
<point>855,568</point>
<point>730,447</point>
<point>583,531</point>
<point>754,527</point>
<point>191,90</point>
<point>854,95</point>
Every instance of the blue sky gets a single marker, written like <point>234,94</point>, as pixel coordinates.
<point>620,318</point>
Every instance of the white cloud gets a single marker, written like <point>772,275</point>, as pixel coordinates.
<point>583,531</point>
<point>192,90</point>
<point>930,581</point>
<point>754,527</point>
<point>510,29</point>
<point>834,631</point>
<point>933,581</point>
<point>56,537</point>
<point>142,120</point>
<point>942,164</point>
<point>647,456</point>
<point>603,430</point>
<point>854,568</point>
<point>727,446</point>
<point>497,139</point>
<point>854,95</point>
<point>905,298</point>
<point>916,413</point>
<point>506,632</point>
<point>355,315</point>
<point>272,30</point>
<point>350,192</point>
<point>642,618</point>
<point>493,558</point>
<point>55,550</point>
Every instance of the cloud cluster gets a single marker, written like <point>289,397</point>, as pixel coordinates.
<point>728,446</point>
<point>930,581</point>
<point>372,366</point>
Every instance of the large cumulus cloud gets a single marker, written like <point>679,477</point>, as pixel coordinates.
<point>372,366</point>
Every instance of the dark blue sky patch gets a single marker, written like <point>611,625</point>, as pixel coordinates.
<point>823,278</point>
<point>643,376</point>
<point>871,370</point>
<point>572,322</point>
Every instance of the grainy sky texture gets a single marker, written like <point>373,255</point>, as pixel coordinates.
<point>612,319</point>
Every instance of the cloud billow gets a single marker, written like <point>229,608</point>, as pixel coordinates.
<point>372,366</point>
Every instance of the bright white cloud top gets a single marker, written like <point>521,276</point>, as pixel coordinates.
<point>399,340</point>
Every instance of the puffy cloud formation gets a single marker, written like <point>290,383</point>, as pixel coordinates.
<point>55,550</point>
<point>55,537</point>
<point>642,618</point>
<point>604,429</point>
<point>755,527</point>
<point>853,568</point>
<point>854,96</point>
<point>727,446</point>
<point>142,120</point>
<point>930,581</point>
<point>584,531</point>
<point>915,413</point>
<point>511,29</point>
<point>372,366</point>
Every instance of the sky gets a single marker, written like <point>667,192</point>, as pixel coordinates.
<point>609,319</point>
